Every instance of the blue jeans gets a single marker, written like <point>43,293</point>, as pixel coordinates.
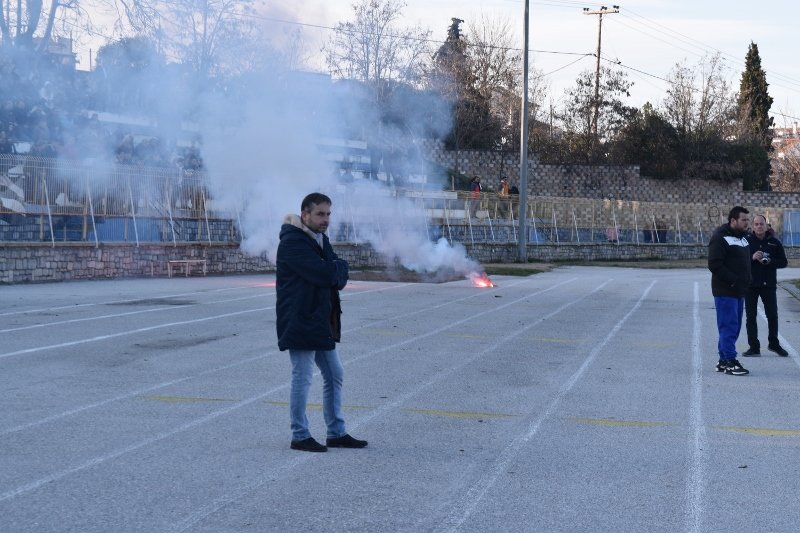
<point>332,376</point>
<point>729,323</point>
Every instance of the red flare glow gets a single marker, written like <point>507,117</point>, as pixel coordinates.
<point>481,280</point>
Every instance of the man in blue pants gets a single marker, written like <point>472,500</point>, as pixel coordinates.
<point>729,263</point>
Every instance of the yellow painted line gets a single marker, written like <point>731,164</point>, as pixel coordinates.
<point>613,422</point>
<point>556,341</point>
<point>184,399</point>
<point>318,406</point>
<point>763,432</point>
<point>458,414</point>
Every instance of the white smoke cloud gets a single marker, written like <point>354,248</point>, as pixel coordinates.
<point>270,156</point>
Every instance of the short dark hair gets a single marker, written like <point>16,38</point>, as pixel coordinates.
<point>315,198</point>
<point>736,211</point>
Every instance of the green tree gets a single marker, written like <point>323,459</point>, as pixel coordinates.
<point>755,124</point>
<point>649,141</point>
<point>127,72</point>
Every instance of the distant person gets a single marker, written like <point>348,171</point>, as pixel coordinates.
<point>729,263</point>
<point>611,234</point>
<point>513,190</point>
<point>767,256</point>
<point>309,278</point>
<point>475,189</point>
<point>502,190</point>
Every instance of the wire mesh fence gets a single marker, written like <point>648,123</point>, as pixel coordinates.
<point>44,199</point>
<point>58,200</point>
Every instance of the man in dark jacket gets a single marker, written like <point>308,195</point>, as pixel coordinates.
<point>729,263</point>
<point>767,256</point>
<point>309,278</point>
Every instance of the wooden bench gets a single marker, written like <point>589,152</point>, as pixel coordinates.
<point>186,263</point>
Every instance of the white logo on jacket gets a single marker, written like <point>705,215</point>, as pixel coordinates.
<point>736,241</point>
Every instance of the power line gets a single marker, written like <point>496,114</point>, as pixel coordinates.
<point>673,34</point>
<point>644,73</point>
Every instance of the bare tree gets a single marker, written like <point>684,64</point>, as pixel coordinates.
<point>495,63</point>
<point>211,37</point>
<point>33,23</point>
<point>699,98</point>
<point>576,116</point>
<point>786,166</point>
<point>374,49</point>
<point>497,72</point>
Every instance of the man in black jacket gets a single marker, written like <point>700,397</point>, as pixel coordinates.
<point>308,280</point>
<point>729,263</point>
<point>767,256</point>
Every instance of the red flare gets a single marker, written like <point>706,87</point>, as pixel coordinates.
<point>481,280</point>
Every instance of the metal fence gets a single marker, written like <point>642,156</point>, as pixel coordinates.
<point>57,200</point>
<point>459,217</point>
<point>43,199</point>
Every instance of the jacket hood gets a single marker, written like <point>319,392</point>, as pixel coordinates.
<point>297,222</point>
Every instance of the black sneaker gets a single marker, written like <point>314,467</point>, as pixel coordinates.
<point>752,352</point>
<point>308,445</point>
<point>345,441</point>
<point>732,367</point>
<point>778,349</point>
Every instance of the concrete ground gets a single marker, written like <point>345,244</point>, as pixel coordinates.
<point>580,399</point>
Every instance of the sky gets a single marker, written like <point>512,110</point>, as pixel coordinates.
<point>647,37</point>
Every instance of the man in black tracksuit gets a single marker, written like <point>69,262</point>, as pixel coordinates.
<point>729,263</point>
<point>767,256</point>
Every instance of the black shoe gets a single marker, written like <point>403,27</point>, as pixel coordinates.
<point>778,349</point>
<point>752,352</point>
<point>732,367</point>
<point>345,441</point>
<point>308,445</point>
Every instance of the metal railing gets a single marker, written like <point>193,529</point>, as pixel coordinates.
<point>43,199</point>
<point>458,217</point>
<point>57,200</point>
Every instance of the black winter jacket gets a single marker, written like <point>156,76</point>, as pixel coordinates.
<point>765,275</point>
<point>308,282</point>
<point>729,262</point>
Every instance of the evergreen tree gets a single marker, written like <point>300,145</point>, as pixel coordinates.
<point>452,76</point>
<point>754,121</point>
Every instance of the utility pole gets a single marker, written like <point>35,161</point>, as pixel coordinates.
<point>522,249</point>
<point>599,12</point>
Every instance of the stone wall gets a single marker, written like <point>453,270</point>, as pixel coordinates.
<point>41,262</point>
<point>603,181</point>
<point>70,261</point>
